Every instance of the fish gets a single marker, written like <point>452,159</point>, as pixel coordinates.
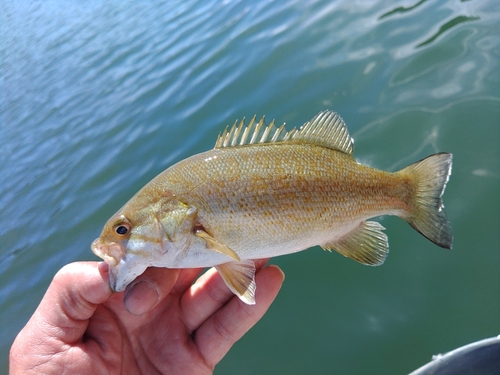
<point>262,192</point>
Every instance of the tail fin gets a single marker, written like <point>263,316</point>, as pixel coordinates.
<point>427,216</point>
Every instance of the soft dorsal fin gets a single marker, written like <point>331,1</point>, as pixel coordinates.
<point>326,129</point>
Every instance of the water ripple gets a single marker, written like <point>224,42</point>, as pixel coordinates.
<point>448,25</point>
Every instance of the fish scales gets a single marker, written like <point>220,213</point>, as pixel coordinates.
<point>264,192</point>
<point>261,200</point>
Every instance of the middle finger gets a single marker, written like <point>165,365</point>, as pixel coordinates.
<point>207,295</point>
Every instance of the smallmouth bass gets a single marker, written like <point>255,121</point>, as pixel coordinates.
<point>264,192</point>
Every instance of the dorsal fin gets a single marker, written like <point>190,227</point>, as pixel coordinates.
<point>326,129</point>
<point>255,132</point>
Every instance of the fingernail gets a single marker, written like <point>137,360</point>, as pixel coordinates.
<point>279,269</point>
<point>141,297</point>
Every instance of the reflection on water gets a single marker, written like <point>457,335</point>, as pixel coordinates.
<point>434,57</point>
<point>402,9</point>
<point>99,99</point>
<point>448,25</point>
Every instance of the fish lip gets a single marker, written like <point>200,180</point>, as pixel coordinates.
<point>109,252</point>
<point>93,245</point>
<point>113,279</point>
<point>102,250</point>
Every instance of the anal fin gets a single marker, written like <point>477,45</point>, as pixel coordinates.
<point>215,245</point>
<point>240,279</point>
<point>366,244</point>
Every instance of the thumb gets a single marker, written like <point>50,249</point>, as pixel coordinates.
<point>71,299</point>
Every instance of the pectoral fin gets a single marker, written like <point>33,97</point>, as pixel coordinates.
<point>215,245</point>
<point>240,279</point>
<point>366,244</point>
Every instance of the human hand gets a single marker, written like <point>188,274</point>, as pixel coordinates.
<point>162,323</point>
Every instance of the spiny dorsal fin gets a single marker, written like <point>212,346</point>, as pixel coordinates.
<point>326,129</point>
<point>255,132</point>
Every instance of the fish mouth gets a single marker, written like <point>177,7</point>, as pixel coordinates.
<point>124,273</point>
<point>122,269</point>
<point>111,253</point>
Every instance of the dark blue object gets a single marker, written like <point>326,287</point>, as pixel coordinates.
<point>479,358</point>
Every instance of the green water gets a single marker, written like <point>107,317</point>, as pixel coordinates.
<point>97,99</point>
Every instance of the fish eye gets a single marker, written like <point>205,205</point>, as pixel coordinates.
<point>122,229</point>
